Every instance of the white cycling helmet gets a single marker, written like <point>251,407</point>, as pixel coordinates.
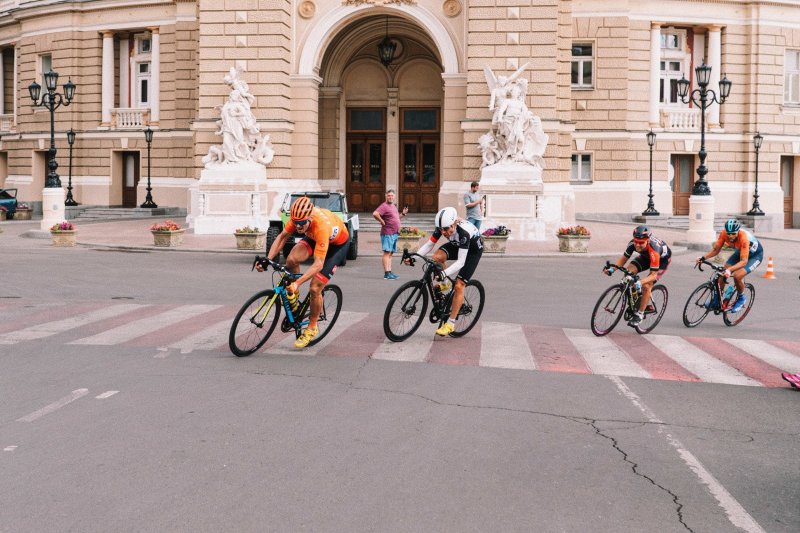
<point>446,217</point>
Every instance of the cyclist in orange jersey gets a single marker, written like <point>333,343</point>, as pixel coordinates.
<point>325,237</point>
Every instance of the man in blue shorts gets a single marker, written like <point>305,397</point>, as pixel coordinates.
<point>389,217</point>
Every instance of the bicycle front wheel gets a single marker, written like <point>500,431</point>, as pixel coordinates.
<point>698,305</point>
<point>659,297</point>
<point>608,311</point>
<point>471,308</point>
<point>331,306</point>
<point>254,323</point>
<point>405,311</point>
<point>731,319</point>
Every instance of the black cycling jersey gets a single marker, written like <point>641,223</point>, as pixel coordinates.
<point>466,236</point>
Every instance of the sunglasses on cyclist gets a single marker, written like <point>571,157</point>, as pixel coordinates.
<point>301,223</point>
<point>732,235</point>
<point>640,241</point>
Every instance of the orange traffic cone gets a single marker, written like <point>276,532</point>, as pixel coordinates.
<point>769,274</point>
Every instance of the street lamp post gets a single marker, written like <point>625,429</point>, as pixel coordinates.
<point>70,140</point>
<point>756,210</point>
<point>148,201</point>
<point>52,101</point>
<point>703,98</point>
<point>651,208</point>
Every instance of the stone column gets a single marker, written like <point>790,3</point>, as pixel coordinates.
<point>655,73</point>
<point>155,77</point>
<point>124,73</point>
<point>16,81</point>
<point>107,101</point>
<point>2,80</point>
<point>393,141</point>
<point>455,162</point>
<point>715,62</point>
<point>305,115</point>
<point>329,98</point>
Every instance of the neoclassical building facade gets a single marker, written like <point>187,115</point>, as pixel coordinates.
<point>600,76</point>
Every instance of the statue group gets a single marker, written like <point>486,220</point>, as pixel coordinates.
<point>516,135</point>
<point>241,136</point>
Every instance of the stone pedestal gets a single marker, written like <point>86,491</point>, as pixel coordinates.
<point>227,197</point>
<point>701,220</point>
<point>513,198</point>
<point>52,206</point>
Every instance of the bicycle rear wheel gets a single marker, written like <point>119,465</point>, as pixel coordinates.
<point>698,305</point>
<point>731,319</point>
<point>659,297</point>
<point>471,308</point>
<point>405,311</point>
<point>331,306</point>
<point>254,323</point>
<point>608,311</point>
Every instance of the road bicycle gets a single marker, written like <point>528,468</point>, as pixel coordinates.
<point>256,320</point>
<point>622,300</point>
<point>408,305</point>
<point>709,298</point>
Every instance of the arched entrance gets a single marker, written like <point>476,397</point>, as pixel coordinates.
<point>380,127</point>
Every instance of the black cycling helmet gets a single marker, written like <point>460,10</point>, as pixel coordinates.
<point>641,232</point>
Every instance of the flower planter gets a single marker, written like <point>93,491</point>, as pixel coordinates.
<point>408,241</point>
<point>495,244</point>
<point>23,214</point>
<point>168,238</point>
<point>251,241</point>
<point>573,243</point>
<point>64,237</point>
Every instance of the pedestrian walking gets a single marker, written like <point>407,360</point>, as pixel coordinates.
<point>389,217</point>
<point>474,204</point>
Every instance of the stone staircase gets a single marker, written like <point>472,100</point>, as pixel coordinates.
<point>84,213</point>
<point>423,221</point>
<point>682,222</point>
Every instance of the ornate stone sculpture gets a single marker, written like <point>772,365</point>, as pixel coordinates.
<point>516,135</point>
<point>241,136</point>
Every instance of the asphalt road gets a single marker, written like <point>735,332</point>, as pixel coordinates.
<point>132,438</point>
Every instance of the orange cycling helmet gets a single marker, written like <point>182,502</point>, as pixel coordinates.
<point>301,209</point>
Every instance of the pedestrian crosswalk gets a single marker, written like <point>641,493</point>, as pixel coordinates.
<point>186,329</point>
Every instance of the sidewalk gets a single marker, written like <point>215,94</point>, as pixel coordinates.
<point>608,240</point>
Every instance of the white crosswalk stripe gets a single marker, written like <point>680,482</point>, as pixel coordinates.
<point>603,356</point>
<point>704,366</point>
<point>143,326</point>
<point>503,346</point>
<point>345,320</point>
<point>209,338</point>
<point>415,349</point>
<point>771,354</point>
<point>47,329</point>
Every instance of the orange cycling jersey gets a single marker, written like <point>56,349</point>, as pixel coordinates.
<point>325,229</point>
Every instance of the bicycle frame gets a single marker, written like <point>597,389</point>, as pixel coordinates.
<point>441,305</point>
<point>721,306</point>
<point>627,283</point>
<point>279,288</point>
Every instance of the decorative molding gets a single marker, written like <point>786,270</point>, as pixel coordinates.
<point>451,8</point>
<point>307,9</point>
<point>378,2</point>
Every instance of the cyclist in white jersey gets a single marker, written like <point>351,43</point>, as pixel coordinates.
<point>465,245</point>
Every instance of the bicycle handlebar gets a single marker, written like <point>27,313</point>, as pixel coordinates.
<point>704,261</point>
<point>410,256</point>
<point>267,262</point>
<point>624,270</point>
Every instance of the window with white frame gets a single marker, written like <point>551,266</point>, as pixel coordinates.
<point>141,70</point>
<point>582,64</point>
<point>791,69</point>
<point>581,168</point>
<point>675,61</point>
<point>45,66</point>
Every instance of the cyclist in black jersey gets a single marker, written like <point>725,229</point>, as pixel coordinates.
<point>464,244</point>
<point>654,255</point>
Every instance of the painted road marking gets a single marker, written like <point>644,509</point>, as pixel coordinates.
<point>74,395</point>
<point>773,355</point>
<point>107,394</point>
<point>502,346</point>
<point>603,356</point>
<point>47,329</point>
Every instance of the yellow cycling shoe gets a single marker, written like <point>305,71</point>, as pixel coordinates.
<point>307,336</point>
<point>446,329</point>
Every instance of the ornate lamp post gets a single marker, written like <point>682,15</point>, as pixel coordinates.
<point>148,201</point>
<point>71,140</point>
<point>52,101</point>
<point>651,208</point>
<point>756,210</point>
<point>703,98</point>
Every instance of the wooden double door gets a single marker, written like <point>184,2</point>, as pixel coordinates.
<point>683,178</point>
<point>419,174</point>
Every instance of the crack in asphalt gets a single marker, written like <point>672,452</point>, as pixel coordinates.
<point>635,470</point>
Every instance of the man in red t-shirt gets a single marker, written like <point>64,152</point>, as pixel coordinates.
<point>389,217</point>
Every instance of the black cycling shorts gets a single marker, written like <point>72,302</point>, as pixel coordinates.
<point>642,262</point>
<point>473,258</point>
<point>337,253</point>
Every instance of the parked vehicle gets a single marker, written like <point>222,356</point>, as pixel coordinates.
<point>8,199</point>
<point>336,202</point>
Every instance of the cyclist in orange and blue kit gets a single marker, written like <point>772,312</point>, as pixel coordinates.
<point>748,255</point>
<point>655,255</point>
